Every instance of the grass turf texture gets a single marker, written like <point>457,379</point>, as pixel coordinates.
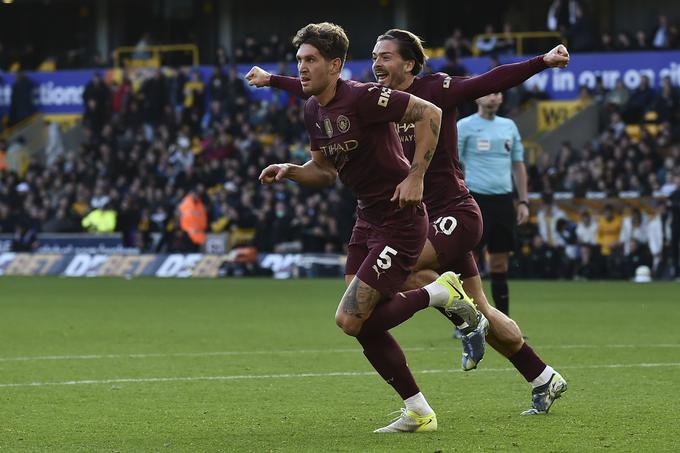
<point>265,352</point>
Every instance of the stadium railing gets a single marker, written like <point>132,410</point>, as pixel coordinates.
<point>150,56</point>
<point>519,38</point>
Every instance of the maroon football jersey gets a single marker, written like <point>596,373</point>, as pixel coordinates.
<point>444,181</point>
<point>356,132</point>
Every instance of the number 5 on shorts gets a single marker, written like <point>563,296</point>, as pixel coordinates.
<point>384,259</point>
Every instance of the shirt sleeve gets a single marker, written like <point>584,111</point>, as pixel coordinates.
<point>517,147</point>
<point>457,90</point>
<point>379,104</point>
<point>288,84</point>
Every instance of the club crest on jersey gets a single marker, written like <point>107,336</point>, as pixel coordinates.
<point>342,123</point>
<point>328,126</point>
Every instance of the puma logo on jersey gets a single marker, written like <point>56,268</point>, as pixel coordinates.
<point>378,272</point>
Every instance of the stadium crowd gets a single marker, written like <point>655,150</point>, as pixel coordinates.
<point>166,160</point>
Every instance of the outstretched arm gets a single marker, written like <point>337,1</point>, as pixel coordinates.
<point>259,78</point>
<point>427,119</point>
<point>502,77</point>
<point>317,172</point>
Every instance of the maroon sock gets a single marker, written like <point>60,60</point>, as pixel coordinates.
<point>454,318</point>
<point>386,356</point>
<point>399,308</point>
<point>527,362</point>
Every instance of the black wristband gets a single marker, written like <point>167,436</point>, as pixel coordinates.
<point>524,202</point>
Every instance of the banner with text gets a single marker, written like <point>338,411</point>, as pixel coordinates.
<point>61,91</point>
<point>172,265</point>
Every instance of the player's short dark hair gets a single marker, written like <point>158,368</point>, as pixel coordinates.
<point>410,47</point>
<point>330,39</point>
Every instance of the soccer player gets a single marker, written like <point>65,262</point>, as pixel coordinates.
<point>352,135</point>
<point>456,225</point>
<point>490,148</point>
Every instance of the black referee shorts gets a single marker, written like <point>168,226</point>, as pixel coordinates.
<point>498,212</point>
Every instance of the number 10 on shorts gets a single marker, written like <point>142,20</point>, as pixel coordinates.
<point>384,260</point>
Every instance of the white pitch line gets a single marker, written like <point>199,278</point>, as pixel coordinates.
<point>307,375</point>
<point>299,351</point>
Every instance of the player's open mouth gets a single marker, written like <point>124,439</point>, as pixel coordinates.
<point>381,76</point>
<point>304,80</point>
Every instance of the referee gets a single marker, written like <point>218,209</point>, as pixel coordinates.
<point>491,150</point>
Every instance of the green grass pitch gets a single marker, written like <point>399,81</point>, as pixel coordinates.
<point>154,365</point>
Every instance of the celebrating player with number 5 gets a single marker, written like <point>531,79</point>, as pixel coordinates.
<point>352,134</point>
<point>456,220</point>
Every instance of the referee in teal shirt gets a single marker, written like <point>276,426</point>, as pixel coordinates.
<point>491,151</point>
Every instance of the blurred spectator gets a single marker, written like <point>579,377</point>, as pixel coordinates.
<point>486,43</point>
<point>547,218</point>
<point>96,98</point>
<point>100,220</point>
<point>641,100</point>
<point>659,237</point>
<point>616,126</point>
<point>641,41</point>
<point>506,45</point>
<point>668,101</point>
<point>608,234</point>
<point>54,148</point>
<point>606,43</point>
<point>599,92</point>
<point>561,15</point>
<point>586,237</point>
<point>633,228</point>
<point>457,45</point>
<point>567,245</point>
<point>581,31</point>
<point>623,42</point>
<point>661,38</point>
<point>25,238</point>
<point>193,219</point>
<point>21,103</point>
<point>16,158</point>
<point>217,85</point>
<point>121,97</point>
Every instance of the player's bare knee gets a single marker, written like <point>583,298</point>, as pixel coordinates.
<point>350,326</point>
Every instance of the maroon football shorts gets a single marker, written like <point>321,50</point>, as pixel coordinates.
<point>454,232</point>
<point>383,255</point>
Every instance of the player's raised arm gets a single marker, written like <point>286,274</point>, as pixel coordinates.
<point>427,119</point>
<point>259,78</point>
<point>317,172</point>
<point>463,89</point>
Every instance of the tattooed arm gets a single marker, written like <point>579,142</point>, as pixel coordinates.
<point>427,119</point>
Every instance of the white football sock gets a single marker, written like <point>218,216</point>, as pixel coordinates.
<point>439,295</point>
<point>418,404</point>
<point>544,377</point>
